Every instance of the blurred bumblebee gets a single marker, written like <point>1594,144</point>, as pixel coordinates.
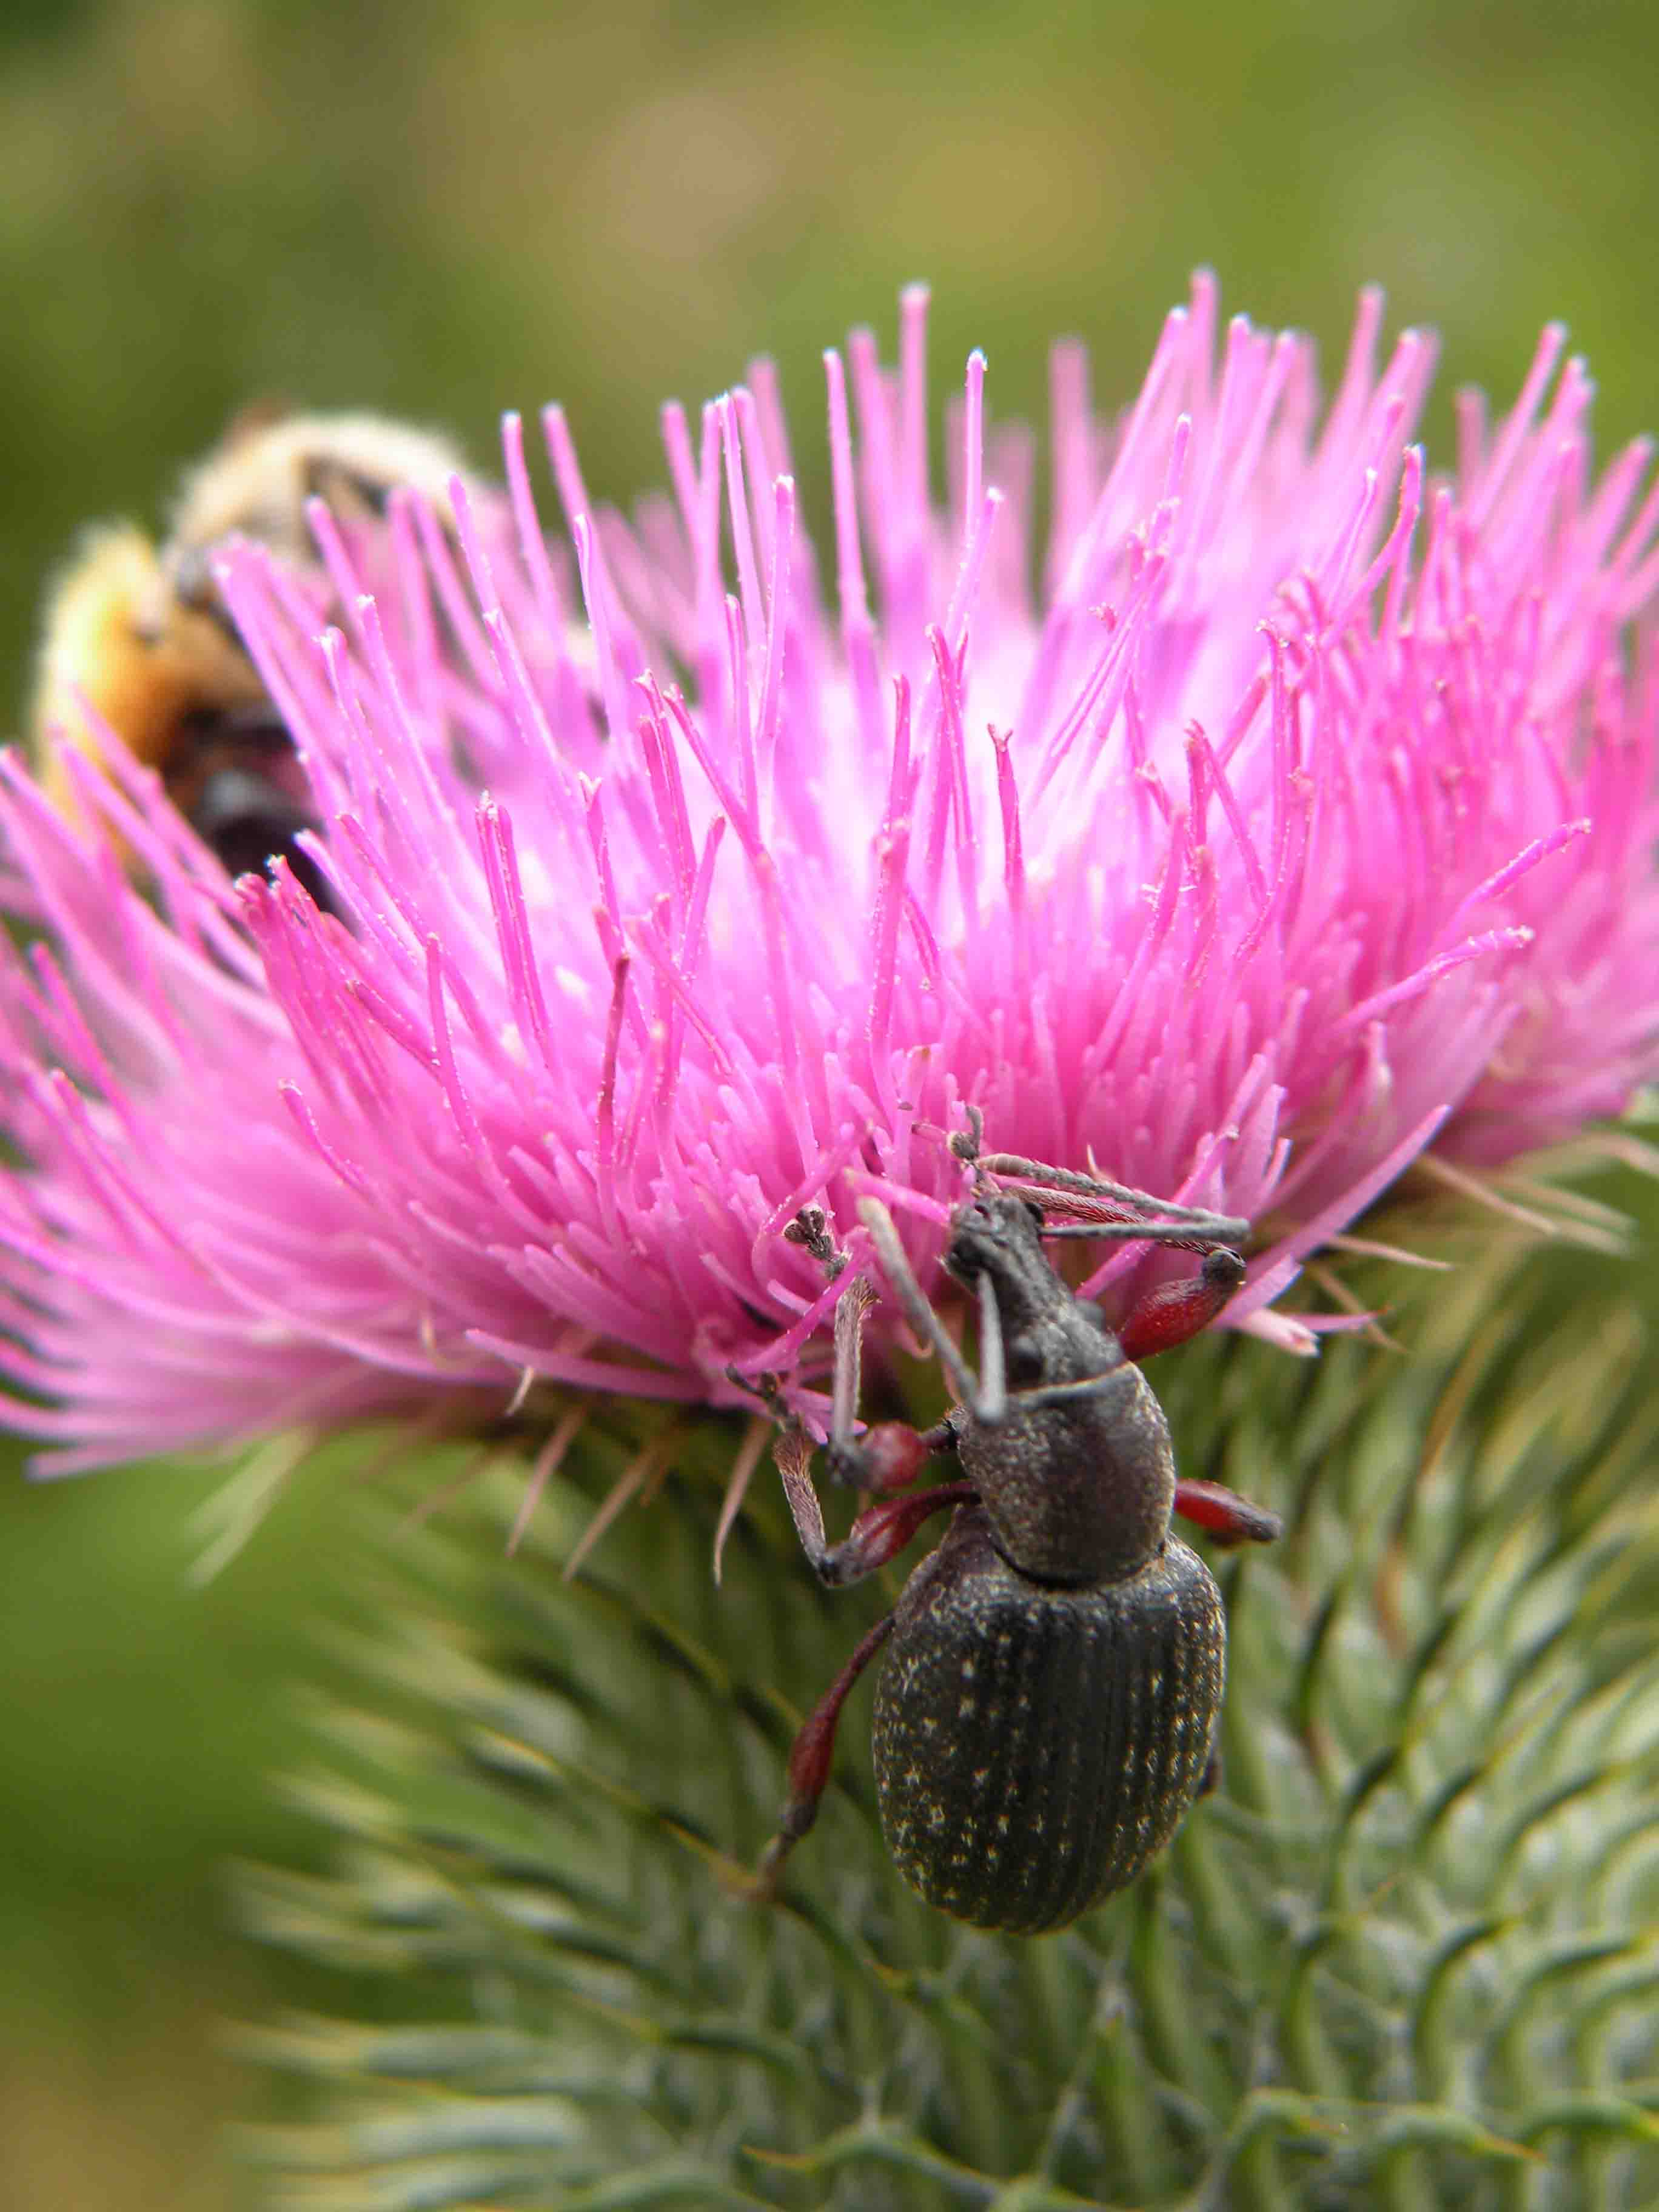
<point>141,633</point>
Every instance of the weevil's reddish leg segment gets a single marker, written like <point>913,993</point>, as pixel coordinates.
<point>887,1457</point>
<point>879,1534</point>
<point>1229,1518</point>
<point>1176,1311</point>
<point>811,1758</point>
<point>876,1536</point>
<point>1170,1315</point>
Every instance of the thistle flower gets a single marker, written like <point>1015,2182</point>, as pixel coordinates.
<point>1304,820</point>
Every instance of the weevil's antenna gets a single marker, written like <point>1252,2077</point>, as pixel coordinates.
<point>927,1325</point>
<point>993,1401</point>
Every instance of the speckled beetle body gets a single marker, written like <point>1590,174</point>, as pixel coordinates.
<point>1054,1669</point>
<point>1036,1744</point>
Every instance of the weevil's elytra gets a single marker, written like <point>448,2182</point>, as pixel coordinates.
<point>1054,1669</point>
<point>1062,1814</point>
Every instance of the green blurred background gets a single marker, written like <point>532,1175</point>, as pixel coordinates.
<point>443,211</point>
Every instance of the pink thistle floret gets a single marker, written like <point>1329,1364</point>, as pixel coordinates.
<point>1306,820</point>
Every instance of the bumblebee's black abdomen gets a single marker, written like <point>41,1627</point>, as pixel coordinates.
<point>1035,1744</point>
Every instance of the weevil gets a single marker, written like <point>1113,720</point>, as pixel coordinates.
<point>1045,1713</point>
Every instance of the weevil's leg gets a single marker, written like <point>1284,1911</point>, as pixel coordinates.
<point>1176,1311</point>
<point>1222,1227</point>
<point>793,1453</point>
<point>890,1455</point>
<point>1230,1518</point>
<point>1129,1229</point>
<point>810,1759</point>
<point>855,1303</point>
<point>1119,1201</point>
<point>811,1230</point>
<point>876,1536</point>
<point>881,1532</point>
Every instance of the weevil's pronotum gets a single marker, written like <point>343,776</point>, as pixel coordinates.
<point>1054,1669</point>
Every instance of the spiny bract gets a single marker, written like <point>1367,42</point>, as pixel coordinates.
<point>1403,1958</point>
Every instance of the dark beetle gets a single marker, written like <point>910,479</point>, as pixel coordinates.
<point>1045,1715</point>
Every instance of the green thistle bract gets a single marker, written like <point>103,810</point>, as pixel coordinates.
<point>1403,1958</point>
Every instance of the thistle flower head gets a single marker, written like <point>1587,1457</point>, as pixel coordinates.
<point>1302,818</point>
